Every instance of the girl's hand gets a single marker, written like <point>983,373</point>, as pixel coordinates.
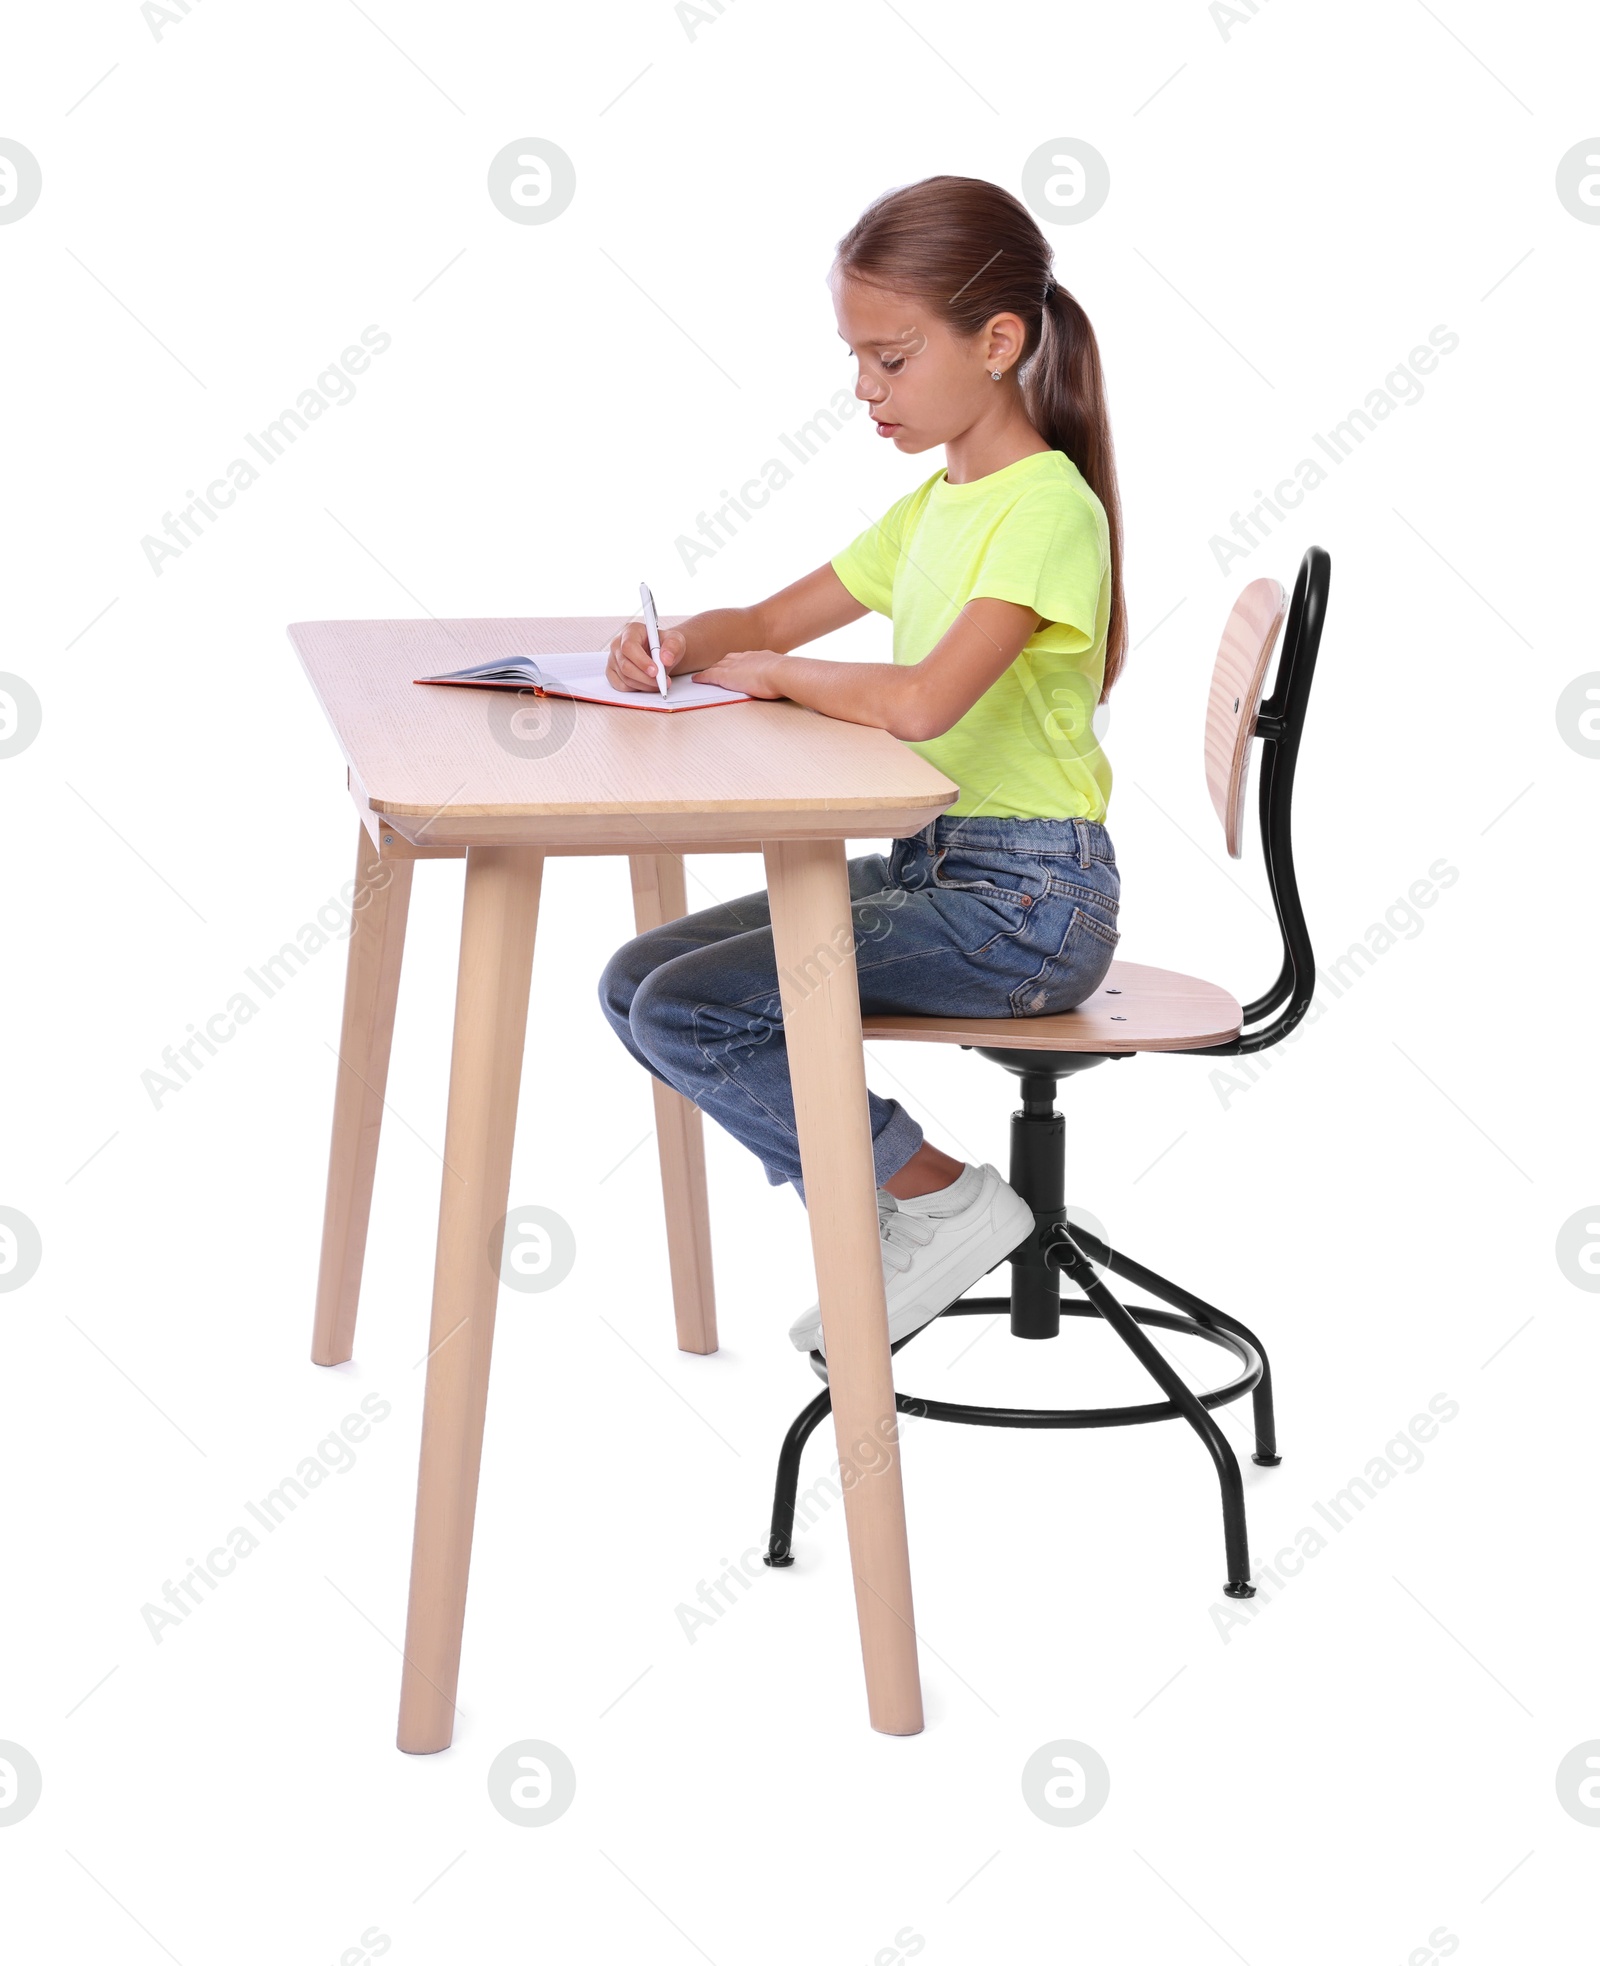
<point>629,663</point>
<point>752,670</point>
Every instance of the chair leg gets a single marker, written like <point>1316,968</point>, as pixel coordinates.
<point>780,1544</point>
<point>1065,1252</point>
<point>1266,1454</point>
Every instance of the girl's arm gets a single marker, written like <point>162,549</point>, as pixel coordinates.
<point>914,701</point>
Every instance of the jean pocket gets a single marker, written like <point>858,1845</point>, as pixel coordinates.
<point>1074,971</point>
<point>1018,878</point>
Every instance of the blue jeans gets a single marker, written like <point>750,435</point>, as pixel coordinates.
<point>971,917</point>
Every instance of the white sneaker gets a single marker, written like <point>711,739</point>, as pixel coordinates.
<point>934,1248</point>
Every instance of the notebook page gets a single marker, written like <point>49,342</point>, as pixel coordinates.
<point>586,671</point>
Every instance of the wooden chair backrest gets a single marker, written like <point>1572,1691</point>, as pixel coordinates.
<point>1237,681</point>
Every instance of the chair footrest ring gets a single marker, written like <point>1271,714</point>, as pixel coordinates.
<point>1089,1416</point>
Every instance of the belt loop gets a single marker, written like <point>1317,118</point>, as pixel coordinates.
<point>1082,832</point>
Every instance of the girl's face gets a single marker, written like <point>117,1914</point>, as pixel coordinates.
<point>924,384</point>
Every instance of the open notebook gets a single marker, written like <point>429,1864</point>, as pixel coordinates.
<point>583,676</point>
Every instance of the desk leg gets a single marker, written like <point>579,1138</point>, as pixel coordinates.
<point>371,984</point>
<point>812,931</point>
<point>498,920</point>
<point>659,896</point>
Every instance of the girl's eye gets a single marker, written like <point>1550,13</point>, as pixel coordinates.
<point>892,364</point>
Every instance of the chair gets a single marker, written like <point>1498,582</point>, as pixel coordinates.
<point>1138,1009</point>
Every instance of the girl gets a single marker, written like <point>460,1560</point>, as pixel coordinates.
<point>1002,576</point>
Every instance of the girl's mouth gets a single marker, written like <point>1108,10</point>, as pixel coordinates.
<point>885,429</point>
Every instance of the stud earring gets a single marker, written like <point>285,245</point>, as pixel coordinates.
<point>994,375</point>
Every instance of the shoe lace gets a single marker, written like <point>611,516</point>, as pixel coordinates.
<point>899,1233</point>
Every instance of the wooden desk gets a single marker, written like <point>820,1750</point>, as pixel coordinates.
<point>505,780</point>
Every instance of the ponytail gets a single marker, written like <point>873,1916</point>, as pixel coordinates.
<point>1064,390</point>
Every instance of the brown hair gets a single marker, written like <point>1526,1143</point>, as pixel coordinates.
<point>971,251</point>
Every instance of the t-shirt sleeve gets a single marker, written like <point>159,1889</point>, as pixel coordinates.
<point>867,565</point>
<point>1047,554</point>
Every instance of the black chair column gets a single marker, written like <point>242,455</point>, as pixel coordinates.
<point>1039,1174</point>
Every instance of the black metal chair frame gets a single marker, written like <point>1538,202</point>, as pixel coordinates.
<point>1037,1172</point>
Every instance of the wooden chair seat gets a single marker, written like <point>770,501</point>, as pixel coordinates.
<point>1136,1009</point>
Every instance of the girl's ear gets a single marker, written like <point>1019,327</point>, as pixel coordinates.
<point>1003,340</point>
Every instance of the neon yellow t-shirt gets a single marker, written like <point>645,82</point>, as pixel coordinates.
<point>1034,533</point>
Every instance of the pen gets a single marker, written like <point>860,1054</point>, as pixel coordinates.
<point>652,630</point>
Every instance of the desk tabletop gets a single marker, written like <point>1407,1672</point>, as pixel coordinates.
<point>447,767</point>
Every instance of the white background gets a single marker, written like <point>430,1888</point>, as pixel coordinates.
<point>1295,202</point>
